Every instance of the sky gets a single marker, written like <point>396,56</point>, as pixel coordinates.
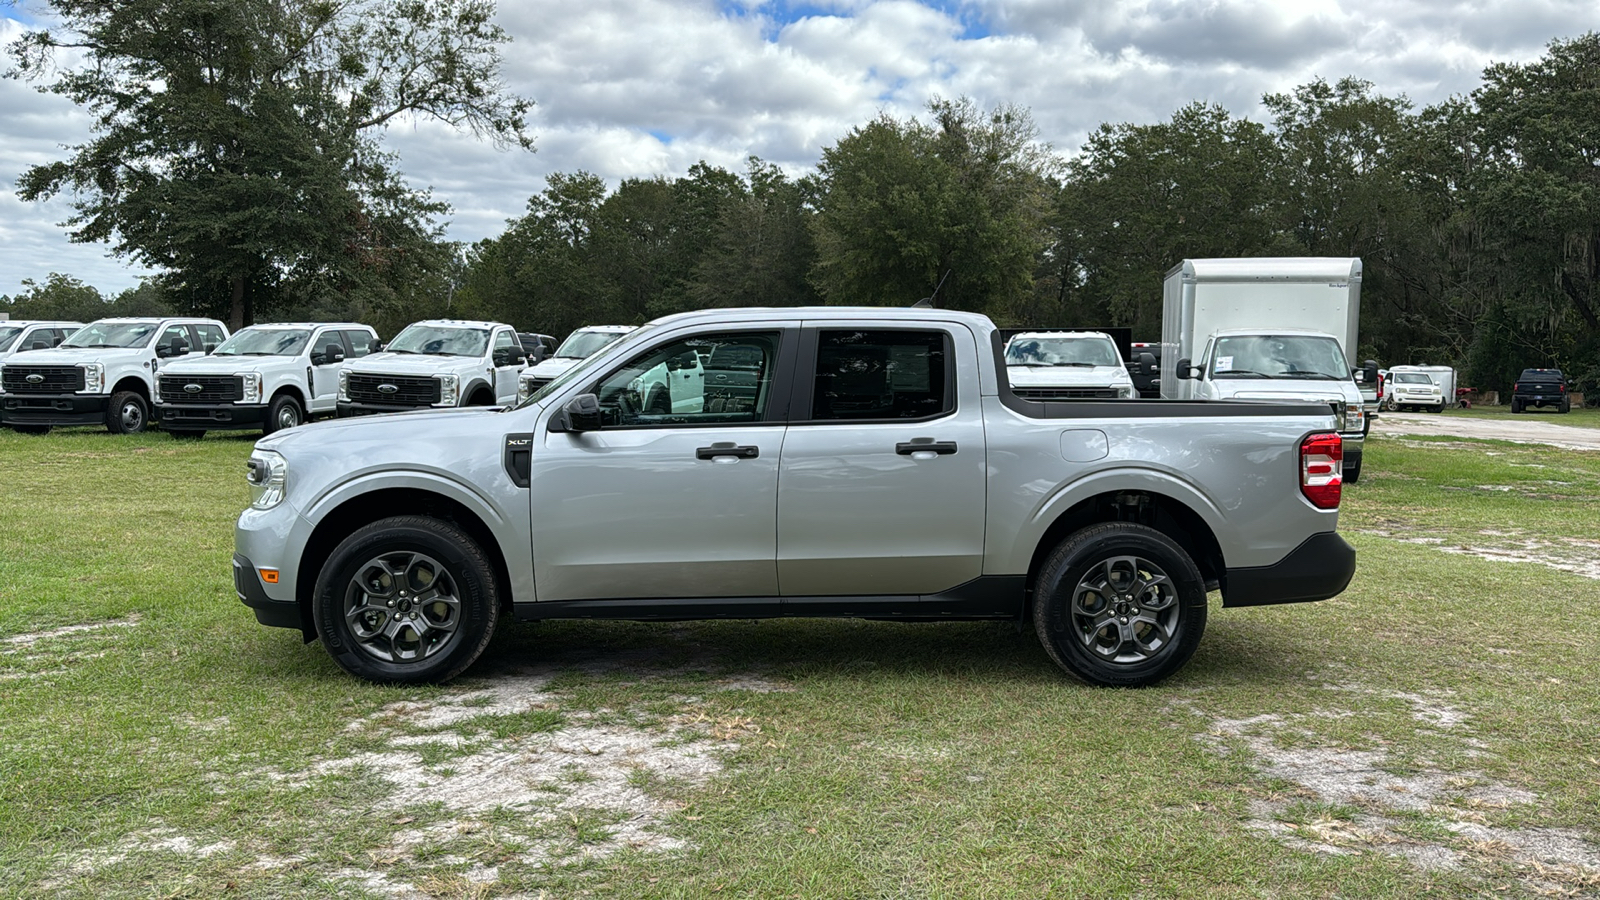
<point>640,88</point>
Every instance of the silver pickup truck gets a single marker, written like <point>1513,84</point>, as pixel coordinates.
<point>871,463</point>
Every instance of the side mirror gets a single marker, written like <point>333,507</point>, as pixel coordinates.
<point>582,413</point>
<point>1369,372</point>
<point>1148,361</point>
<point>211,347</point>
<point>41,345</point>
<point>1186,369</point>
<point>332,353</point>
<point>377,347</point>
<point>57,341</point>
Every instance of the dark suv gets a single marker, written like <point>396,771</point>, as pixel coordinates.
<point>1541,388</point>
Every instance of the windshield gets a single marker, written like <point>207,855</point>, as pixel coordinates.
<point>266,342</point>
<point>8,336</point>
<point>1084,351</point>
<point>112,334</point>
<point>440,340</point>
<point>583,369</point>
<point>1412,378</point>
<point>1288,356</point>
<point>582,344</point>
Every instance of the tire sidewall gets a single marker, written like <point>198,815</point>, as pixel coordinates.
<point>467,566</point>
<point>271,426</point>
<point>121,401</point>
<point>1067,566</point>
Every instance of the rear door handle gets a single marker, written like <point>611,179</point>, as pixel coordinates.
<point>727,448</point>
<point>925,445</point>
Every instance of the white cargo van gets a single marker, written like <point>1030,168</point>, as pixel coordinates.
<point>1279,328</point>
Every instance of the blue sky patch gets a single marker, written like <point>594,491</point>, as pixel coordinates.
<point>786,12</point>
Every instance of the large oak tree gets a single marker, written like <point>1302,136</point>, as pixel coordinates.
<point>236,142</point>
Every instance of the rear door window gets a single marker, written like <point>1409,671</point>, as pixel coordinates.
<point>866,375</point>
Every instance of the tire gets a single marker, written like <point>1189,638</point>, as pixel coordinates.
<point>186,434</point>
<point>30,429</point>
<point>1566,406</point>
<point>372,560</point>
<point>1438,409</point>
<point>1352,469</point>
<point>1111,555</point>
<point>285,412</point>
<point>1516,407</point>
<point>659,404</point>
<point>1389,404</point>
<point>127,414</point>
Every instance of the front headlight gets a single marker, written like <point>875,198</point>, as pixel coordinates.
<point>1127,392</point>
<point>252,387</point>
<point>522,390</point>
<point>267,472</point>
<point>94,377</point>
<point>344,384</point>
<point>449,389</point>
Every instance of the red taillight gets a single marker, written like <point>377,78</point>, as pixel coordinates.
<point>1516,386</point>
<point>1563,388</point>
<point>1381,380</point>
<point>1322,469</point>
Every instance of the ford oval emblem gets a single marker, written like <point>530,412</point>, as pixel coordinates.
<point>36,378</point>
<point>387,388</point>
<point>193,388</point>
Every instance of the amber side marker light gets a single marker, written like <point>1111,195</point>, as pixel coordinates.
<point>270,576</point>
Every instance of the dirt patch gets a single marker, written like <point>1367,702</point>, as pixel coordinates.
<point>1580,556</point>
<point>16,642</point>
<point>1366,801</point>
<point>39,654</point>
<point>1526,432</point>
<point>506,764</point>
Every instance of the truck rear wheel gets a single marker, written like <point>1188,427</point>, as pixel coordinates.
<point>1119,604</point>
<point>406,599</point>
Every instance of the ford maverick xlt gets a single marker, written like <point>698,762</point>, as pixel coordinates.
<point>868,463</point>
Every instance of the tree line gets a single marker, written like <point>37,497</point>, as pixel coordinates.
<point>255,183</point>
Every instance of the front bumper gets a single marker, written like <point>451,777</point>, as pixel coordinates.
<point>213,417</point>
<point>349,408</point>
<point>1321,567</point>
<point>54,409</point>
<point>247,584</point>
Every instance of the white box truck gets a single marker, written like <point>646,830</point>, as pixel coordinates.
<point>1275,329</point>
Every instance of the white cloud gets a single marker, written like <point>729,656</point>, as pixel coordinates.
<point>637,88</point>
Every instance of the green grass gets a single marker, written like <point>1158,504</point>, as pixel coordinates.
<point>188,752</point>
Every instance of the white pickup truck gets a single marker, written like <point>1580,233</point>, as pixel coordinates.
<point>437,363</point>
<point>578,346</point>
<point>1067,365</point>
<point>18,336</point>
<point>872,463</point>
<point>103,374</point>
<point>269,377</point>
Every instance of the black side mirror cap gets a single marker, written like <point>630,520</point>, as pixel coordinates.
<point>41,345</point>
<point>1186,370</point>
<point>211,348</point>
<point>1148,360</point>
<point>582,413</point>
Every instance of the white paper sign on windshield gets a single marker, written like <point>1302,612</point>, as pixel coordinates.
<point>1224,363</point>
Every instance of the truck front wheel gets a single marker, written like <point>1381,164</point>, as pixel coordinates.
<point>285,412</point>
<point>406,599</point>
<point>127,414</point>
<point>1119,604</point>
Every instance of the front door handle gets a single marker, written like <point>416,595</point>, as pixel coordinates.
<point>727,448</point>
<point>925,445</point>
